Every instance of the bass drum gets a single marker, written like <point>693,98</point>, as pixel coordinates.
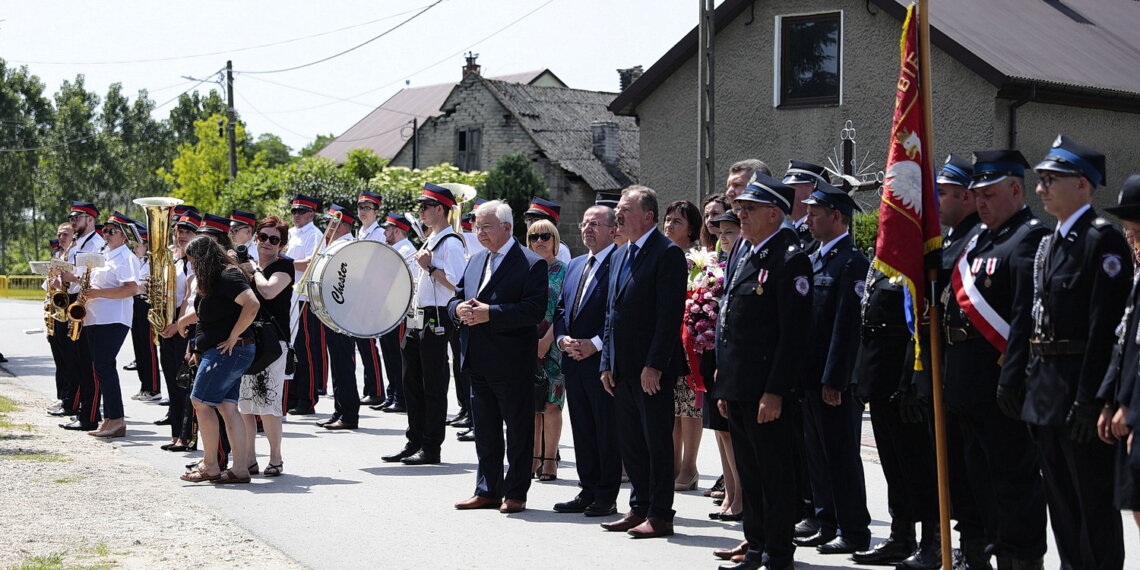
<point>360,288</point>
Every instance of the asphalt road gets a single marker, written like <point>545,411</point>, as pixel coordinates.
<point>338,505</point>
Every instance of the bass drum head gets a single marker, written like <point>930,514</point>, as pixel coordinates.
<point>365,288</point>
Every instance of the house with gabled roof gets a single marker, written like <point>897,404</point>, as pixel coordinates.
<point>789,75</point>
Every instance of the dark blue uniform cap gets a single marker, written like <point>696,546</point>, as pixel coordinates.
<point>827,195</point>
<point>1128,203</point>
<point>956,170</point>
<point>1072,157</point>
<point>544,209</point>
<point>765,189</point>
<point>607,199</point>
<point>301,202</point>
<point>992,166</point>
<point>800,172</point>
<point>345,215</point>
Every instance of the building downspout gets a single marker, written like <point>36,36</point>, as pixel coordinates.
<point>1013,114</point>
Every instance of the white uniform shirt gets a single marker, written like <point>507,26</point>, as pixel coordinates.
<point>374,232</point>
<point>90,243</point>
<point>122,266</point>
<point>303,243</point>
<point>448,257</point>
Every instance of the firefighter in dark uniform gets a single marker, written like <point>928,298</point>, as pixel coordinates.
<point>767,312</point>
<point>958,212</point>
<point>1082,276</point>
<point>832,417</point>
<point>883,380</point>
<point>987,327</point>
<point>803,177</point>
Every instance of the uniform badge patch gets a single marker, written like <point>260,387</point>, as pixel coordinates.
<point>1111,264</point>
<point>803,287</point>
<point>860,288</point>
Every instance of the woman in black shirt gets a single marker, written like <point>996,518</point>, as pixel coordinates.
<point>263,394</point>
<point>224,308</point>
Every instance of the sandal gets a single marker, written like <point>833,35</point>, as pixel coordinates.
<point>544,476</point>
<point>228,476</point>
<point>254,469</point>
<point>199,476</point>
<point>274,469</point>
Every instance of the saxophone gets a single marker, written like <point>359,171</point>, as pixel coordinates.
<point>77,311</point>
<point>162,283</point>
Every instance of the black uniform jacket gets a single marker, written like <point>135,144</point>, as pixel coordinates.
<point>1082,282</point>
<point>836,293</point>
<point>1002,263</point>
<point>765,317</point>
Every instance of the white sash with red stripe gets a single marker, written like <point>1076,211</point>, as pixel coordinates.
<point>993,327</point>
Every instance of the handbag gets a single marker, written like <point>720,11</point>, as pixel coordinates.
<point>267,337</point>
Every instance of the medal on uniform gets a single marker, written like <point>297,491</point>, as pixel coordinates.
<point>760,279</point>
<point>991,266</point>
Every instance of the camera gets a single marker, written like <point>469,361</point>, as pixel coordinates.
<point>242,253</point>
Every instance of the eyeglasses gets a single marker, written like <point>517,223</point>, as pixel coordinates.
<point>273,240</point>
<point>544,236</point>
<point>1048,179</point>
<point>362,207</point>
<point>486,227</point>
<point>593,225</point>
<point>426,205</point>
<point>236,229</point>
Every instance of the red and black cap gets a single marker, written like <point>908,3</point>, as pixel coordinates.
<point>398,221</point>
<point>88,208</point>
<point>467,222</point>
<point>303,202</point>
<point>189,219</point>
<point>544,209</point>
<point>372,197</point>
<point>433,193</point>
<point>214,224</point>
<point>346,216</point>
<point>240,217</point>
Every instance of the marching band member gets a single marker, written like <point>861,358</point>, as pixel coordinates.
<point>62,348</point>
<point>309,342</point>
<point>367,210</point>
<point>241,232</point>
<point>396,228</point>
<point>83,221</point>
<point>342,349</point>
<point>146,353</point>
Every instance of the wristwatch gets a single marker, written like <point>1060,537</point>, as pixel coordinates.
<point>431,269</point>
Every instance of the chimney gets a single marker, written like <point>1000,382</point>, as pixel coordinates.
<point>605,138</point>
<point>471,67</point>
<point>629,75</point>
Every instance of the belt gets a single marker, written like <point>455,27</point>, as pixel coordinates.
<point>877,331</point>
<point>957,335</point>
<point>244,342</point>
<point>1047,347</point>
<point>434,309</point>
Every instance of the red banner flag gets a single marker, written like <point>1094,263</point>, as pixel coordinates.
<point>908,213</point>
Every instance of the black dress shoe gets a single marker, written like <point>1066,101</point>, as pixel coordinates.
<point>77,425</point>
<point>889,551</point>
<point>813,540</point>
<point>464,423</point>
<point>421,458</point>
<point>132,366</point>
<point>601,509</point>
<point>371,401</point>
<point>576,505</point>
<point>842,545</point>
<point>326,421</point>
<point>339,424</point>
<point>404,453</point>
<point>396,409</point>
<point>742,565</point>
<point>729,517</point>
<point>61,412</point>
<point>468,435</point>
<point>163,421</point>
<point>806,527</point>
<point>299,411</point>
<point>462,415</point>
<point>927,558</point>
<point>164,402</point>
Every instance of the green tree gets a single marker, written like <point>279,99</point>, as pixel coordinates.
<point>514,180</point>
<point>270,150</point>
<point>364,164</point>
<point>27,116</point>
<point>200,172</point>
<point>191,108</point>
<point>865,230</point>
<point>320,142</point>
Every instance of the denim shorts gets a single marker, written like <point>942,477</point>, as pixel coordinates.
<point>219,375</point>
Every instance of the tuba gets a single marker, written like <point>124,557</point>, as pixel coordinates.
<point>163,280</point>
<point>463,193</point>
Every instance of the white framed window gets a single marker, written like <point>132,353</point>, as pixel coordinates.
<point>808,61</point>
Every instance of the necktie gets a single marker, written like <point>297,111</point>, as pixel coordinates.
<point>488,270</point>
<point>816,262</point>
<point>582,287</point>
<point>625,267</point>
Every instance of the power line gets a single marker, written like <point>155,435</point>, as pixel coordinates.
<point>223,52</point>
<point>47,146</point>
<point>353,48</point>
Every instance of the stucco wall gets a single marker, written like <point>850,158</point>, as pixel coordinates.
<point>749,126</point>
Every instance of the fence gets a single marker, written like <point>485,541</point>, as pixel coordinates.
<point>21,286</point>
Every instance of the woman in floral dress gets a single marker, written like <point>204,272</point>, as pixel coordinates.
<point>550,389</point>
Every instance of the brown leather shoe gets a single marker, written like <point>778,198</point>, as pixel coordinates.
<point>477,502</point>
<point>626,522</point>
<point>652,528</point>
<point>339,424</point>
<point>511,506</point>
<point>725,554</point>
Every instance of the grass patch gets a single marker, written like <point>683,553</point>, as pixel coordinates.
<point>48,562</point>
<point>7,405</point>
<point>5,424</point>
<point>41,457</point>
<point>71,479</point>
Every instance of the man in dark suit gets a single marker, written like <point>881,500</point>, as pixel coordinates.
<point>1082,276</point>
<point>766,312</point>
<point>987,329</point>
<point>578,324</point>
<point>642,357</point>
<point>832,417</point>
<point>498,303</point>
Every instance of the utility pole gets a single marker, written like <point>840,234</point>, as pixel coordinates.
<point>706,131</point>
<point>231,131</point>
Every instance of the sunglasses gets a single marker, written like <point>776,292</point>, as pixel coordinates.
<point>544,236</point>
<point>111,231</point>
<point>299,211</point>
<point>273,240</point>
<point>426,205</point>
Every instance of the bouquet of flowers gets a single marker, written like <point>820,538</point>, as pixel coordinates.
<point>698,331</point>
